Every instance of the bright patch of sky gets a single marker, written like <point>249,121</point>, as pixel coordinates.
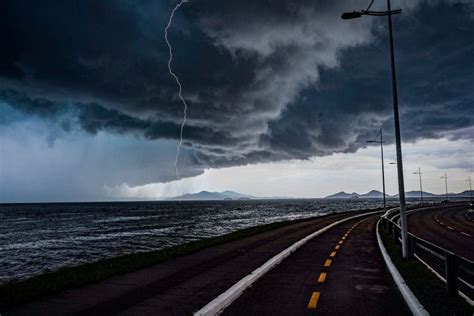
<point>318,177</point>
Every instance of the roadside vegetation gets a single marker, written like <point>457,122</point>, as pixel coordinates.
<point>430,291</point>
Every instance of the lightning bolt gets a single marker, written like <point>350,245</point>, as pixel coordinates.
<point>180,88</point>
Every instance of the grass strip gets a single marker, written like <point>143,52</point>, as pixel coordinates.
<point>75,276</point>
<point>430,291</point>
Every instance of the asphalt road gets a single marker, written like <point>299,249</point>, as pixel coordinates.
<point>179,286</point>
<point>341,272</point>
<point>449,227</point>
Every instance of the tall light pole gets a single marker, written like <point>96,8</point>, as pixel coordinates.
<point>383,170</point>
<point>445,177</point>
<point>421,186</point>
<point>396,116</point>
<point>470,187</point>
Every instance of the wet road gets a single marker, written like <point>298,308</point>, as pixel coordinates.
<point>341,272</point>
<point>449,227</point>
<point>179,286</point>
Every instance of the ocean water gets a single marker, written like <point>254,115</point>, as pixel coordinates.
<point>37,238</point>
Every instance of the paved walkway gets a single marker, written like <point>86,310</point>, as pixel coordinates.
<point>339,273</point>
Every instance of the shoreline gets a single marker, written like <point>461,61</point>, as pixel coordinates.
<point>36,287</point>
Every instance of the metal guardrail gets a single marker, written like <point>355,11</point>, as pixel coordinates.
<point>456,271</point>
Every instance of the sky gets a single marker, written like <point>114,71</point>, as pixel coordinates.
<point>282,97</point>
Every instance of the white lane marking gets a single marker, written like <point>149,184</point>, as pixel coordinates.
<point>218,304</point>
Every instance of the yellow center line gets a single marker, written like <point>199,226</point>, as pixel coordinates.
<point>343,238</point>
<point>340,243</point>
<point>333,254</point>
<point>328,263</point>
<point>337,247</point>
<point>313,302</point>
<point>322,277</point>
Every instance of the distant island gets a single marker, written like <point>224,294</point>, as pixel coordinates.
<point>224,195</point>
<point>374,194</point>
<point>209,196</point>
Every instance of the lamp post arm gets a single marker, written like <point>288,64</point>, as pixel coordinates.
<point>381,13</point>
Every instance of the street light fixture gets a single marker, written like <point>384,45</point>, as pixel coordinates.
<point>351,15</point>
<point>445,177</point>
<point>401,186</point>
<point>383,170</point>
<point>421,186</point>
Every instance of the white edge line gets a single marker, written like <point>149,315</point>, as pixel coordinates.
<point>415,306</point>
<point>466,298</point>
<point>231,294</point>
<point>430,268</point>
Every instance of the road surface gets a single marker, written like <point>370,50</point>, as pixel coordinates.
<point>341,272</point>
<point>449,227</point>
<point>178,286</point>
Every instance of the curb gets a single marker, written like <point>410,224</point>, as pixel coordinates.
<point>410,299</point>
<point>231,294</point>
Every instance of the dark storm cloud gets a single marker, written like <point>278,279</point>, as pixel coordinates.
<point>354,100</point>
<point>92,118</point>
<point>264,80</point>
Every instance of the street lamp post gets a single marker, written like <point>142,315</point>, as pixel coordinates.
<point>401,186</point>
<point>470,188</point>
<point>445,177</point>
<point>383,170</point>
<point>421,186</point>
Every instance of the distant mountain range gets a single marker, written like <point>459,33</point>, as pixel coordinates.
<point>374,194</point>
<point>207,196</point>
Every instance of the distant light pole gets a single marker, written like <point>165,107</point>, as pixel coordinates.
<point>383,170</point>
<point>445,177</point>
<point>421,186</point>
<point>396,117</point>
<point>470,188</point>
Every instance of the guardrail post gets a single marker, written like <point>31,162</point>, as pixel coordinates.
<point>411,247</point>
<point>451,274</point>
<point>395,234</point>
